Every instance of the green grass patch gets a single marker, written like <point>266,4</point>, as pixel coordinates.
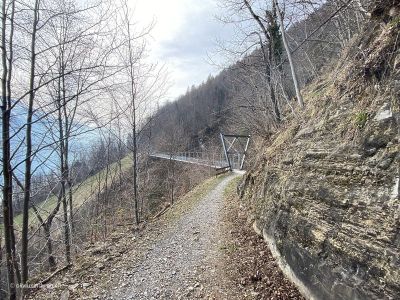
<point>360,119</point>
<point>395,21</point>
<point>189,200</point>
<point>230,189</point>
<point>317,93</point>
<point>229,247</point>
<point>81,193</point>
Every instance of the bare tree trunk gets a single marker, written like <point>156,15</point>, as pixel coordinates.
<point>66,162</point>
<point>1,260</point>
<point>46,225</point>
<point>268,75</point>
<point>49,245</point>
<point>6,160</point>
<point>106,188</point>
<point>70,199</point>
<point>63,128</point>
<point>9,76</point>
<point>135,187</point>
<point>131,58</point>
<point>289,56</point>
<point>63,196</point>
<point>133,105</point>
<point>173,184</point>
<point>65,216</point>
<point>28,155</point>
<point>119,153</point>
<point>268,59</point>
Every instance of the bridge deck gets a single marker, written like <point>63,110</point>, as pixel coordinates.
<point>191,160</point>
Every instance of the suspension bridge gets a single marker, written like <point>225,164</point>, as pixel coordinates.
<point>232,157</point>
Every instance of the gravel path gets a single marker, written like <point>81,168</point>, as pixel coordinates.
<point>202,248</point>
<point>177,264</point>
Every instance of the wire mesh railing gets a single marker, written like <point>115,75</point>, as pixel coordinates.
<point>203,158</point>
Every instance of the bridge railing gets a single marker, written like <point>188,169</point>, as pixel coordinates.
<point>210,159</point>
<point>235,160</point>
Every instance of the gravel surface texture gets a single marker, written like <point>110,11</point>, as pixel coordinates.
<point>176,265</point>
<point>203,247</point>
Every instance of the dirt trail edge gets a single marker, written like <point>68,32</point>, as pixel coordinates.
<point>202,248</point>
<point>176,264</point>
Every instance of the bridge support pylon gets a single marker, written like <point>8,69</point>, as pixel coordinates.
<point>235,145</point>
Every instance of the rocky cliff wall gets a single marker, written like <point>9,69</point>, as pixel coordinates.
<point>325,194</point>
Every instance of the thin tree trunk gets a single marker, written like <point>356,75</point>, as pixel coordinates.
<point>135,187</point>
<point>46,225</point>
<point>65,216</point>
<point>28,155</point>
<point>66,163</point>
<point>49,245</point>
<point>63,196</point>
<point>173,184</point>
<point>1,259</point>
<point>133,105</point>
<point>9,76</point>
<point>7,178</point>
<point>70,199</point>
<point>289,56</point>
<point>271,85</point>
<point>119,153</point>
<point>13,243</point>
<point>64,154</point>
<point>106,188</point>
<point>268,61</point>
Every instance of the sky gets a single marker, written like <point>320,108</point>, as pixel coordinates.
<point>184,37</point>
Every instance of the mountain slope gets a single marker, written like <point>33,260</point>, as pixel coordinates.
<point>83,193</point>
<point>325,193</point>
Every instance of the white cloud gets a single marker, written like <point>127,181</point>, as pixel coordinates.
<point>184,34</point>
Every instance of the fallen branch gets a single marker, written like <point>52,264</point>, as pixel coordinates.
<point>55,273</point>
<point>161,212</point>
<point>126,224</point>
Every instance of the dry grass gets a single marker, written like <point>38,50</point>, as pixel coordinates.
<point>81,194</point>
<point>247,265</point>
<point>189,200</point>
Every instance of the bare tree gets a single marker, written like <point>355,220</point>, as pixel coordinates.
<point>28,155</point>
<point>289,55</point>
<point>6,155</point>
<point>143,83</point>
<point>76,63</point>
<point>270,57</point>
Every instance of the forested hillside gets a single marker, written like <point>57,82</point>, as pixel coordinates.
<point>324,193</point>
<point>246,97</point>
<point>315,85</point>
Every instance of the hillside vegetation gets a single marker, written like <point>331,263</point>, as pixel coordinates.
<point>314,83</point>
<point>82,193</point>
<point>325,192</point>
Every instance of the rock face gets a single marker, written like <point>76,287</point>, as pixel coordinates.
<point>325,194</point>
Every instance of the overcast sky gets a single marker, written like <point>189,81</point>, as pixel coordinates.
<point>185,34</point>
